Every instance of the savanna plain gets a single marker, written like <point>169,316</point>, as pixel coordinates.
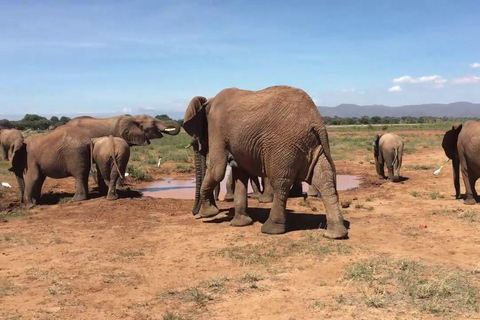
<point>413,250</point>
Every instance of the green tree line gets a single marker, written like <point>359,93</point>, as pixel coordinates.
<point>36,122</point>
<point>390,120</point>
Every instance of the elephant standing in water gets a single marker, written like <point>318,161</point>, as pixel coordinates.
<point>388,150</point>
<point>462,145</point>
<point>110,155</point>
<point>251,125</point>
<point>7,137</point>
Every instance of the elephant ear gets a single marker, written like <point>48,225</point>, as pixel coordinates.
<point>457,127</point>
<point>131,131</point>
<point>375,144</point>
<point>18,156</point>
<point>195,119</point>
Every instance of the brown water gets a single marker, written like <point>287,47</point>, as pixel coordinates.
<point>185,189</point>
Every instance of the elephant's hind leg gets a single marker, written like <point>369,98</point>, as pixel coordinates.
<point>323,181</point>
<point>469,186</point>
<point>112,184</point>
<point>81,188</point>
<point>241,217</point>
<point>277,219</point>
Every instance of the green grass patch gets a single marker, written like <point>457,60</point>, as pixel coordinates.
<point>386,283</point>
<point>15,214</point>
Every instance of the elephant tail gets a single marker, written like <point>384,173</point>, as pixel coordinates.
<point>114,157</point>
<point>322,136</point>
<point>93,172</point>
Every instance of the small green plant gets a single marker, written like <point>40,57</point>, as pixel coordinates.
<point>183,168</point>
<point>138,174</point>
<point>171,316</point>
<point>436,195</point>
<point>415,194</point>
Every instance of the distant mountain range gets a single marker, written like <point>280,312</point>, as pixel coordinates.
<point>451,110</point>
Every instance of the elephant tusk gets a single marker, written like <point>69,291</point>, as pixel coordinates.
<point>170,129</point>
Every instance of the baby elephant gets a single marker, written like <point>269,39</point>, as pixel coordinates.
<point>388,149</point>
<point>110,155</point>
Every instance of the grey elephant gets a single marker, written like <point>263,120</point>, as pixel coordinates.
<point>119,127</point>
<point>61,153</point>
<point>110,155</point>
<point>7,137</point>
<point>251,125</point>
<point>462,144</point>
<point>388,150</point>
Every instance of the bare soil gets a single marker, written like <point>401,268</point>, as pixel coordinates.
<point>144,258</point>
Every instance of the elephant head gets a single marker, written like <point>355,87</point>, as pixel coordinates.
<point>449,145</point>
<point>132,132</point>
<point>155,129</point>
<point>196,125</point>
<point>18,162</point>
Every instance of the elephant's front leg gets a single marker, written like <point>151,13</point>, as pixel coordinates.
<point>324,181</point>
<point>213,176</point>
<point>241,217</point>
<point>267,195</point>
<point>277,219</point>
<point>33,186</point>
<point>81,187</point>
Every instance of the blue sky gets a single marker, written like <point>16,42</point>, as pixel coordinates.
<point>118,56</point>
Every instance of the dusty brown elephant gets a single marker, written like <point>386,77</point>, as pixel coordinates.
<point>110,155</point>
<point>119,127</point>
<point>251,125</point>
<point>62,153</point>
<point>388,150</point>
<point>462,144</point>
<point>7,137</point>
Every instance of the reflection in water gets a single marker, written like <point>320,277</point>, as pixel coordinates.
<point>185,189</point>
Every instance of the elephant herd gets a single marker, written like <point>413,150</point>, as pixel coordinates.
<point>276,133</point>
<point>71,149</point>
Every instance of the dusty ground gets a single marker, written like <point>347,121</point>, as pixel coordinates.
<point>413,253</point>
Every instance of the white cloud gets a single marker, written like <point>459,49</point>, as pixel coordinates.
<point>395,89</point>
<point>466,80</point>
<point>127,110</point>
<point>424,79</point>
<point>348,90</point>
<point>475,65</point>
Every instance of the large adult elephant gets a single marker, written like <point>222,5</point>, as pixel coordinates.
<point>7,137</point>
<point>277,133</point>
<point>61,153</point>
<point>119,127</point>
<point>388,150</point>
<point>462,144</point>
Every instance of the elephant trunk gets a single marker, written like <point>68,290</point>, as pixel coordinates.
<point>168,127</point>
<point>456,176</point>
<point>200,168</point>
